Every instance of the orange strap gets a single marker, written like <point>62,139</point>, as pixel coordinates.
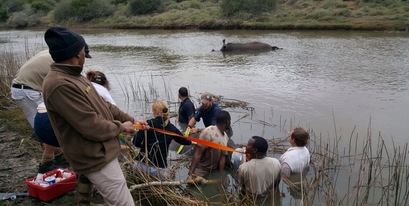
<point>200,141</point>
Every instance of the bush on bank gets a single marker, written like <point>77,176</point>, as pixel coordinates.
<point>260,14</point>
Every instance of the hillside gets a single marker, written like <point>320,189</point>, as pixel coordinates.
<point>208,14</point>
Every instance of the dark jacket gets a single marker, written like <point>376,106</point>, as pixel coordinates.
<point>208,116</point>
<point>158,143</point>
<point>186,111</point>
<point>85,125</point>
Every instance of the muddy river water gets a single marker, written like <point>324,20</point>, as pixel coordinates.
<point>328,81</point>
<point>336,83</point>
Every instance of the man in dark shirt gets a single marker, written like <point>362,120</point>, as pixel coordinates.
<point>207,112</point>
<point>186,109</point>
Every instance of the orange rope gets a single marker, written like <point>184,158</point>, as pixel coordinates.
<point>200,141</point>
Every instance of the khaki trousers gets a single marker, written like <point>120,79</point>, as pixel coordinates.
<point>111,184</point>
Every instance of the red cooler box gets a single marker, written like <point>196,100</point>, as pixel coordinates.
<point>50,192</point>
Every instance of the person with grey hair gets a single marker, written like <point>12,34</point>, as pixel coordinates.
<point>207,112</point>
<point>86,126</point>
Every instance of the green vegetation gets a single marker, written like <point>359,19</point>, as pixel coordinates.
<point>11,117</point>
<point>208,14</point>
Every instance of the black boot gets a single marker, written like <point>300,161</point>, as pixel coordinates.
<point>84,191</point>
<point>46,166</point>
<point>60,161</point>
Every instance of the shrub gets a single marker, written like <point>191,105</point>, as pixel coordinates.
<point>62,11</point>
<point>43,6</point>
<point>230,7</point>
<point>136,7</point>
<point>12,5</point>
<point>3,15</point>
<point>83,11</point>
<point>116,2</point>
<point>23,19</point>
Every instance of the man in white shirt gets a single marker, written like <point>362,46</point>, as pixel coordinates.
<point>261,175</point>
<point>297,157</point>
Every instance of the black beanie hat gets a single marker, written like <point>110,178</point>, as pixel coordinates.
<point>63,43</point>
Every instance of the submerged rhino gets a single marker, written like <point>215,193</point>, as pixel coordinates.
<point>247,47</point>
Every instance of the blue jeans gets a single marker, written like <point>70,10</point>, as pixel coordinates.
<point>28,100</point>
<point>44,131</point>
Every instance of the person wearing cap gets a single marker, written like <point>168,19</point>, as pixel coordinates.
<point>86,126</point>
<point>206,159</point>
<point>26,88</point>
<point>261,175</point>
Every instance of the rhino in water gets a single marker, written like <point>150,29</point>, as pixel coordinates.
<point>247,47</point>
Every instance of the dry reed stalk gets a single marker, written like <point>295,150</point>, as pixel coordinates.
<point>380,171</point>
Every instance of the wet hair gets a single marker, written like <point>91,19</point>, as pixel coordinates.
<point>300,136</point>
<point>260,144</point>
<point>161,108</point>
<point>183,92</point>
<point>222,117</point>
<point>99,78</point>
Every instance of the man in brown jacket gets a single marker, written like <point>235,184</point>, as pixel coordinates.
<point>86,126</point>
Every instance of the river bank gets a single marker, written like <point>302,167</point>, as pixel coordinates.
<point>210,15</point>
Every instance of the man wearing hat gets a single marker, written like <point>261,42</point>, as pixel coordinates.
<point>26,90</point>
<point>207,112</point>
<point>86,126</point>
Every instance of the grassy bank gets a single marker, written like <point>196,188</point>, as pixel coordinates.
<point>209,14</point>
<point>12,118</point>
<point>288,15</point>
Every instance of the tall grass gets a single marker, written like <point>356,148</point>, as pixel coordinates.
<point>10,63</point>
<point>366,171</point>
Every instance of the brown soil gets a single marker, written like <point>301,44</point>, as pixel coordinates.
<point>19,159</point>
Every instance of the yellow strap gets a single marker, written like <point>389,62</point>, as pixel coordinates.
<point>186,134</point>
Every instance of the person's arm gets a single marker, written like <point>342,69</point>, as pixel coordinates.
<point>81,116</point>
<point>190,111</point>
<point>191,125</point>
<point>179,140</point>
<point>285,169</point>
<point>216,109</point>
<point>277,181</point>
<point>138,138</point>
<point>195,160</point>
<point>140,135</point>
<point>240,174</point>
<point>192,122</point>
<point>222,162</point>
